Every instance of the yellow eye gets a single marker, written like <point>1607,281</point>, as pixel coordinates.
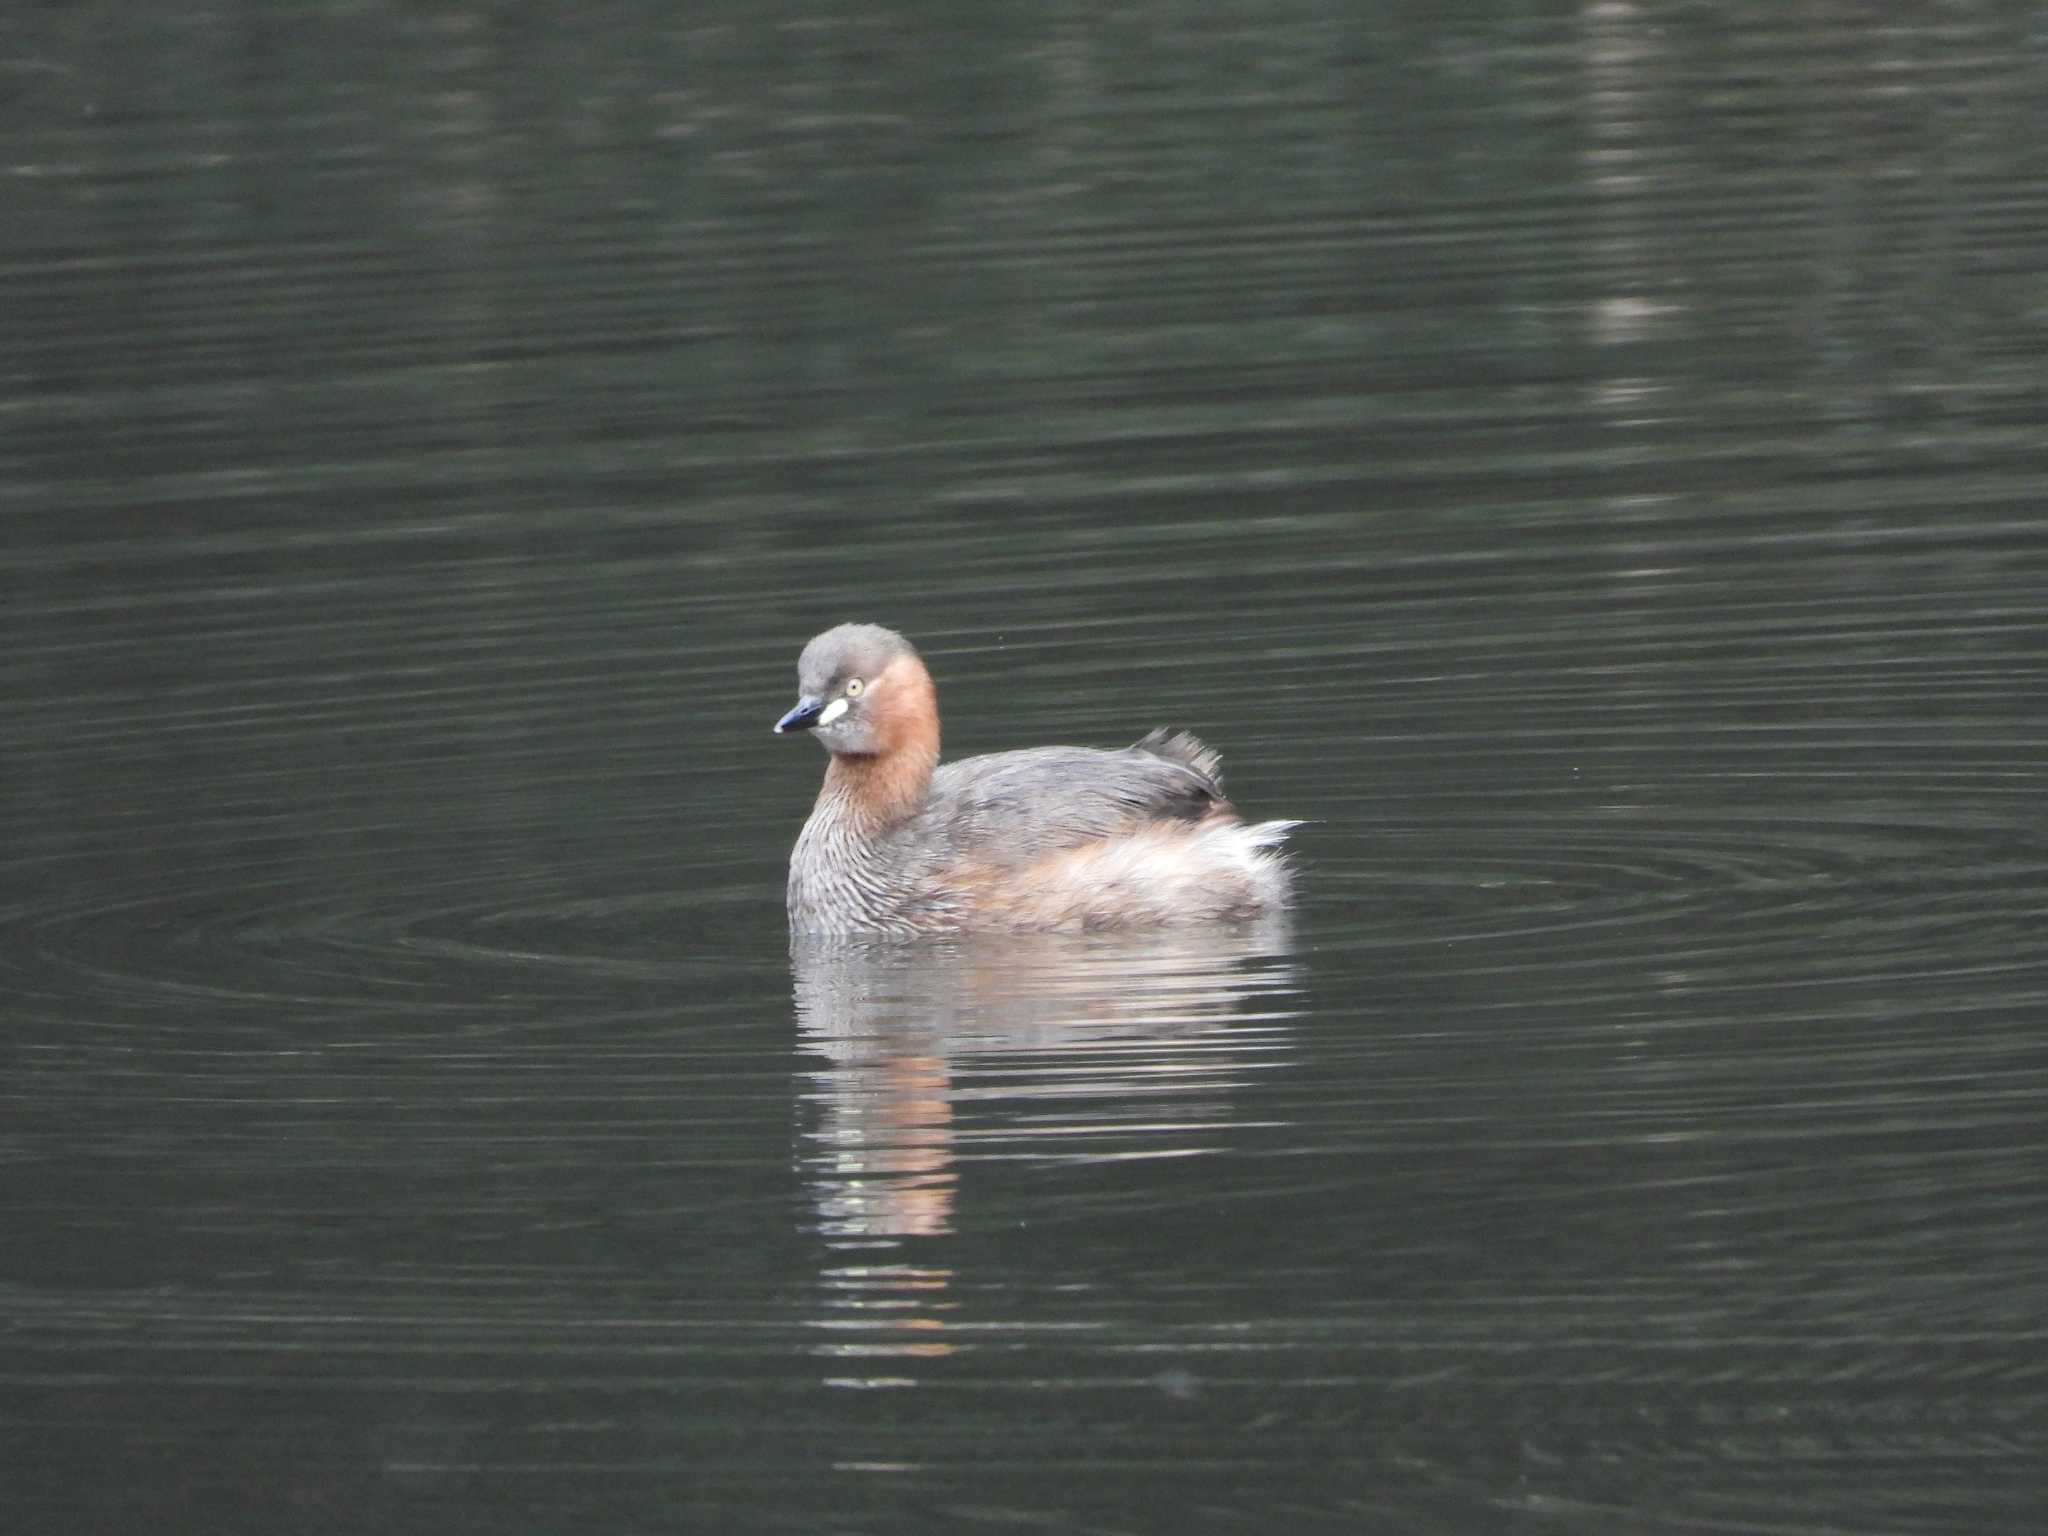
<point>853,687</point>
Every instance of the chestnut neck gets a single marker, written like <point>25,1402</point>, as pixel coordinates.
<point>879,789</point>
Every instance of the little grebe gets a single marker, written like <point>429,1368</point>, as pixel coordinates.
<point>1045,838</point>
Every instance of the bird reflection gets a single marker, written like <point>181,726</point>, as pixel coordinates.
<point>1049,1048</point>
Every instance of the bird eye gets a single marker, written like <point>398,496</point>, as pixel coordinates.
<point>853,687</point>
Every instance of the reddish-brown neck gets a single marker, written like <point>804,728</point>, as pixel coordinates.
<point>885,786</point>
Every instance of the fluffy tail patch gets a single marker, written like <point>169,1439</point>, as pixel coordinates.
<point>1185,748</point>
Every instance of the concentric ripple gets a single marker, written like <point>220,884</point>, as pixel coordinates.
<point>1716,892</point>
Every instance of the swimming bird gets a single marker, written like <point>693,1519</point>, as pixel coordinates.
<point>1045,838</point>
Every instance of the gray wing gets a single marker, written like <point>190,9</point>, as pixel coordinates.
<point>1016,806</point>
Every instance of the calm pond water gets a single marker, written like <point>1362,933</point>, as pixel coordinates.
<point>1586,460</point>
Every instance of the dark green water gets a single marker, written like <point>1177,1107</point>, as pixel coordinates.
<point>1586,461</point>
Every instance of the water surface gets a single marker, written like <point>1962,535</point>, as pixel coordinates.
<point>1585,461</point>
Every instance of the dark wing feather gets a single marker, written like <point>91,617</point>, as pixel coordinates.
<point>1018,806</point>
